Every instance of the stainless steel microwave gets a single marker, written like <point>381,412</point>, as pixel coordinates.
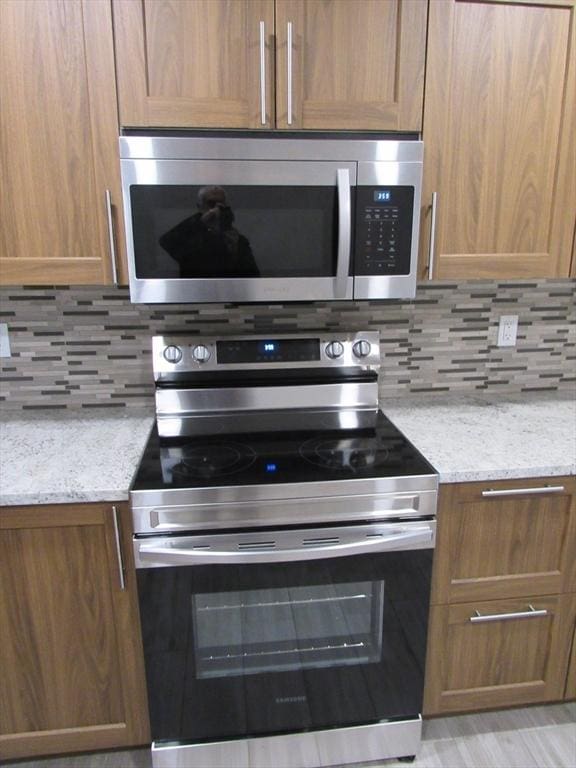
<point>270,219</point>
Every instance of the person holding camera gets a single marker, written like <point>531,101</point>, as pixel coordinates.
<point>207,244</point>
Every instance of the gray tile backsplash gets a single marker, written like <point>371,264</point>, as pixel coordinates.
<point>88,347</point>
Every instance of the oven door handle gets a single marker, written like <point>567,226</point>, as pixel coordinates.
<point>179,551</point>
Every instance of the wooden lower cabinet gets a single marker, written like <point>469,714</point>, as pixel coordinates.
<point>570,691</point>
<point>70,650</point>
<point>503,548</point>
<point>499,662</point>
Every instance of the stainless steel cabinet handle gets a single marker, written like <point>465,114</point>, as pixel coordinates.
<point>119,549</point>
<point>490,493</point>
<point>177,553</point>
<point>432,236</point>
<point>263,73</point>
<point>531,613</point>
<point>111,236</point>
<point>344,232</point>
<point>289,70</point>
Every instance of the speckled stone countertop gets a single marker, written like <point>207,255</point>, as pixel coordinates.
<point>491,438</point>
<point>48,458</point>
<point>67,458</point>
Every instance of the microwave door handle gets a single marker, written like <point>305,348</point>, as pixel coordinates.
<point>344,232</point>
<point>179,555</point>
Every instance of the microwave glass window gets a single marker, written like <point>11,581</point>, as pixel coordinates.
<point>234,231</point>
<point>287,629</point>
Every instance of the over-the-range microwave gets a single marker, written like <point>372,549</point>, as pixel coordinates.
<point>270,218</point>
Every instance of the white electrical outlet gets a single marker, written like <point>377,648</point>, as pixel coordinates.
<point>4,341</point>
<point>507,330</point>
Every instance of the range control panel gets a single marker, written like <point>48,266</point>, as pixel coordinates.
<point>180,354</point>
<point>383,230</point>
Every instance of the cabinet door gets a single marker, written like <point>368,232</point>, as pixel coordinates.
<point>195,63</point>
<point>350,64</point>
<point>58,142</point>
<point>505,539</point>
<point>570,691</point>
<point>499,133</point>
<point>486,655</point>
<point>71,654</point>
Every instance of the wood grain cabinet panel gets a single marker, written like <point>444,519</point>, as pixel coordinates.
<point>194,63</point>
<point>354,64</point>
<point>496,546</point>
<point>503,548</point>
<point>501,662</point>
<point>570,691</point>
<point>499,132</point>
<point>351,64</point>
<point>58,143</point>
<point>71,655</point>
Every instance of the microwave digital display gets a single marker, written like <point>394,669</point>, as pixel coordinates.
<point>382,196</point>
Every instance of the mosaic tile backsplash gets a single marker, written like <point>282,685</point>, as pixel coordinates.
<point>88,347</point>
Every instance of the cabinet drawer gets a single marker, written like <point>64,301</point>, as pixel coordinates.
<point>497,653</point>
<point>505,540</point>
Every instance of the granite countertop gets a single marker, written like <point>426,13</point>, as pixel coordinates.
<point>73,457</point>
<point>48,458</point>
<point>491,437</point>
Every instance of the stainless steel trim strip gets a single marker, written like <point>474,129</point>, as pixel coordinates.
<point>335,746</point>
<point>491,493</point>
<point>344,232</point>
<point>282,546</point>
<point>323,397</point>
<point>121,569</point>
<point>532,613</point>
<point>289,72</point>
<point>432,236</point>
<point>285,503</point>
<point>112,242</point>
<point>264,148</point>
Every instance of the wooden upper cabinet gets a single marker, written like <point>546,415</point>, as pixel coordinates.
<point>350,64</point>
<point>58,142</point>
<point>195,63</point>
<point>499,134</point>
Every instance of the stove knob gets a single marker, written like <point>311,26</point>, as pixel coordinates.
<point>173,354</point>
<point>362,348</point>
<point>334,349</point>
<point>201,353</point>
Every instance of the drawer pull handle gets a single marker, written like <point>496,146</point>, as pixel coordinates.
<point>121,569</point>
<point>523,491</point>
<point>529,614</point>
<point>432,236</point>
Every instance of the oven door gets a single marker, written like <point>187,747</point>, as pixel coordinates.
<point>227,230</point>
<point>270,632</point>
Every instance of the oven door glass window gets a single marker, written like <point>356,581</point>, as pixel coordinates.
<point>235,651</point>
<point>287,629</point>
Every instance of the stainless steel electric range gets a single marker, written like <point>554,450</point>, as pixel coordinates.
<point>284,532</point>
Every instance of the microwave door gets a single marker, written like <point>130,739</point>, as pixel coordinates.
<point>238,231</point>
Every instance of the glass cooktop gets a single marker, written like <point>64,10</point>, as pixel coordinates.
<point>278,457</point>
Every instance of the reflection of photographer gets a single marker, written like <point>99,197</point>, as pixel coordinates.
<point>207,244</point>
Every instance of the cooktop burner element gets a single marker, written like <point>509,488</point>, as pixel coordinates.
<point>212,460</point>
<point>345,454</point>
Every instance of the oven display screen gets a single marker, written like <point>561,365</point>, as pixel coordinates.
<point>267,350</point>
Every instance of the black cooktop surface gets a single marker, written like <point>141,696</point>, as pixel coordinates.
<point>278,457</point>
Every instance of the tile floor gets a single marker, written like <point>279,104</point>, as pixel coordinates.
<point>532,737</point>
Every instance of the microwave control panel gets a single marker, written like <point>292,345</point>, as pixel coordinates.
<point>383,230</point>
